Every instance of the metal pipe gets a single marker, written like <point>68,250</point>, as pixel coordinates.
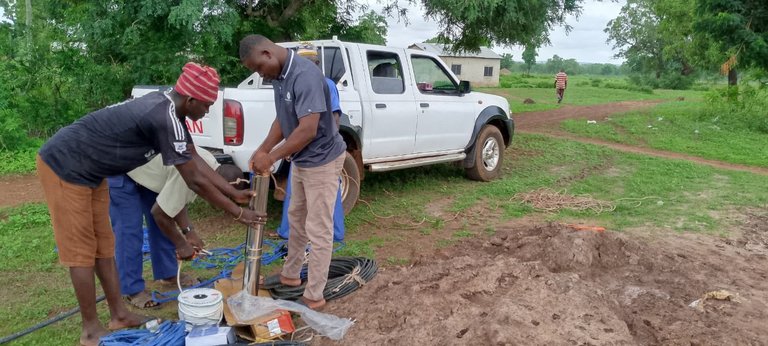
<point>255,236</point>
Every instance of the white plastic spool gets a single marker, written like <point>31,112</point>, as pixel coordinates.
<point>201,306</point>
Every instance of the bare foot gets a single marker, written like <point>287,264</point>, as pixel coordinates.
<point>313,304</point>
<point>289,282</point>
<point>129,320</point>
<point>90,336</point>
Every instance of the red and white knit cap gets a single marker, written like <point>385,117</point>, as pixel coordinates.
<point>199,82</point>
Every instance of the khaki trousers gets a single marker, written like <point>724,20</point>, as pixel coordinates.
<point>310,218</point>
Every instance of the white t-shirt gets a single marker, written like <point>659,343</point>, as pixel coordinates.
<point>173,192</point>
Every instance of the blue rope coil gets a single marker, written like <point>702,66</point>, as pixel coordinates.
<point>169,333</point>
<point>226,259</point>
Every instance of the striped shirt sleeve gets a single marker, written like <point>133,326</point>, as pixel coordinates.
<point>172,137</point>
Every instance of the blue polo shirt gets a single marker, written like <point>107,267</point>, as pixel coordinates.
<point>300,90</point>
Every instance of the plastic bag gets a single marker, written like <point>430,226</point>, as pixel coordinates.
<point>246,307</point>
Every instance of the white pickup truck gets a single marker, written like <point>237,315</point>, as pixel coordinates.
<point>401,108</point>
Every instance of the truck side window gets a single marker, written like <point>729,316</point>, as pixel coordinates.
<point>333,63</point>
<point>386,72</point>
<point>431,77</point>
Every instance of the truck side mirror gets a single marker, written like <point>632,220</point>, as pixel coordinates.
<point>464,87</point>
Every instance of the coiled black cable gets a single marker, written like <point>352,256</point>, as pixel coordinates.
<point>345,275</point>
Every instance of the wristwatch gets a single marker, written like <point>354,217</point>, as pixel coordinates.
<point>186,230</point>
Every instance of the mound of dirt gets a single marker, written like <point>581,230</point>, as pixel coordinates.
<point>551,285</point>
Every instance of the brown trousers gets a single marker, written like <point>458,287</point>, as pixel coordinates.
<point>310,218</point>
<point>80,217</point>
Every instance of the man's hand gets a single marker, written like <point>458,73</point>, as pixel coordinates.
<point>185,252</point>
<point>251,217</point>
<point>243,196</point>
<point>261,163</point>
<point>194,240</point>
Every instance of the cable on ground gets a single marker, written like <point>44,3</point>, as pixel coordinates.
<point>346,274</point>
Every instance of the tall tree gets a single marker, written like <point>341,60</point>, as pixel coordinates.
<point>656,38</point>
<point>529,57</point>
<point>506,61</point>
<point>635,34</point>
<point>739,29</point>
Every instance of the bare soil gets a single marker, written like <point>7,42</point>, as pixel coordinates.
<point>546,284</point>
<point>20,189</point>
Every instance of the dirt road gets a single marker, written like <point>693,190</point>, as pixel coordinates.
<point>20,189</point>
<point>547,123</point>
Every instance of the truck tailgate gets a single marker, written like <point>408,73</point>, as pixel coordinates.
<point>258,106</point>
<point>206,132</point>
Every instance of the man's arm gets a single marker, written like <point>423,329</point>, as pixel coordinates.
<point>299,138</point>
<point>198,183</point>
<point>214,178</point>
<point>274,137</point>
<point>183,221</point>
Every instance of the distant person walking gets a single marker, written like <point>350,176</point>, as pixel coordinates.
<point>561,82</point>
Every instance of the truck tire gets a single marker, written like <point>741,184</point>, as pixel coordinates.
<point>489,155</point>
<point>350,183</point>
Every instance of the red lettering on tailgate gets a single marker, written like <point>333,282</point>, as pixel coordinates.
<point>195,126</point>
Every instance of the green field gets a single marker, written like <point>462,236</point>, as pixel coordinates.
<point>679,127</point>
<point>648,193</point>
<point>582,91</point>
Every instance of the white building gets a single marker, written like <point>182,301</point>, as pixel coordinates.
<point>480,69</point>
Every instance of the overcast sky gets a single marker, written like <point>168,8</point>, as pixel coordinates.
<point>585,43</point>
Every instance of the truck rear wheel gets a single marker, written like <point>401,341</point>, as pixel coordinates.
<point>489,155</point>
<point>350,183</point>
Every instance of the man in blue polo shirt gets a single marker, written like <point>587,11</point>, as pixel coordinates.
<point>312,140</point>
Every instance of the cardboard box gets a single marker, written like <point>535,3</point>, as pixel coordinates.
<point>273,325</point>
<point>267,327</point>
<point>210,335</point>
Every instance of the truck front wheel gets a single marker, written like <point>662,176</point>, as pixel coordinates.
<point>350,183</point>
<point>489,154</point>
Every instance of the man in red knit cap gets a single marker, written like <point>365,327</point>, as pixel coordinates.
<point>72,167</point>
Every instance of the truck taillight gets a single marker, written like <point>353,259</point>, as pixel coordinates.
<point>233,123</point>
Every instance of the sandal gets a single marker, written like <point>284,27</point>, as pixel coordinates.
<point>142,300</point>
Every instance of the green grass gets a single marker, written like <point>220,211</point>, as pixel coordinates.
<point>677,126</point>
<point>545,97</point>
<point>665,195</point>
<point>582,90</point>
<point>20,161</point>
<point>669,192</point>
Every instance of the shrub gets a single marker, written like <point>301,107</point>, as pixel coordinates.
<point>741,107</point>
<point>544,84</point>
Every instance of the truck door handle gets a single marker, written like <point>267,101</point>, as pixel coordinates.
<point>381,105</point>
<point>424,105</point>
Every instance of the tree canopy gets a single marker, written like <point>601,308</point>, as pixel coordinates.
<point>70,57</point>
<point>736,27</point>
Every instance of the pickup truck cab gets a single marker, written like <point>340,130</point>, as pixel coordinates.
<point>401,108</point>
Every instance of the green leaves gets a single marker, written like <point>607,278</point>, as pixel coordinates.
<point>467,24</point>
<point>738,27</point>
